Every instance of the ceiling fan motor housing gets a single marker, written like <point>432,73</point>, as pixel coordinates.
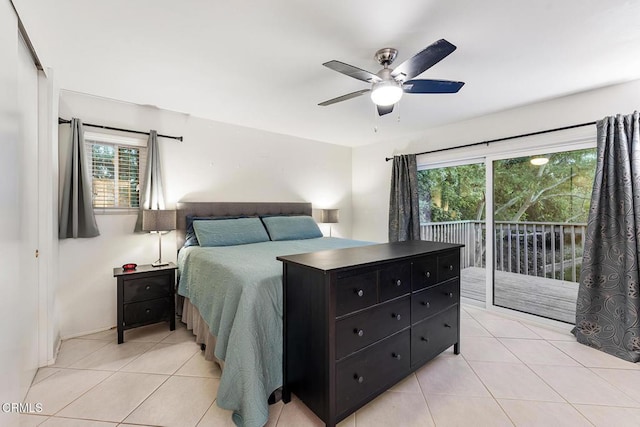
<point>386,56</point>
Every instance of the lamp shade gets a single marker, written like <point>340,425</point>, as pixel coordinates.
<point>386,92</point>
<point>158,220</point>
<point>329,216</point>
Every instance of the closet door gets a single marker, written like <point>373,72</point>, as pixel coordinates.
<point>28,216</point>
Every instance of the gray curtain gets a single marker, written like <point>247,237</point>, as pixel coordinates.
<point>151,190</point>
<point>404,215</point>
<point>76,206</point>
<point>608,306</point>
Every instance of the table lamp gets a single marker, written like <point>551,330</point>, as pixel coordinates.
<point>329,216</point>
<point>159,220</point>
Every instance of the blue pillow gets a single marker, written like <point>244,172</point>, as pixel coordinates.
<point>291,227</point>
<point>190,235</point>
<point>230,232</point>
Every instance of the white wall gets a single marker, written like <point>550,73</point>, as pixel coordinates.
<point>372,175</point>
<point>215,162</point>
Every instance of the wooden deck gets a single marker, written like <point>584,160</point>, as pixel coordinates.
<point>555,299</point>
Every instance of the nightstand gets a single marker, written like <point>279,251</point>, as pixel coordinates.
<point>145,296</point>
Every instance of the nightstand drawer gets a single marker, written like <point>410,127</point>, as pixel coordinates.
<point>147,311</point>
<point>356,292</point>
<point>369,326</point>
<point>146,288</point>
<point>370,369</point>
<point>434,335</point>
<point>434,299</point>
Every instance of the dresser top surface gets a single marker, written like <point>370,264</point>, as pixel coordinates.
<point>337,259</point>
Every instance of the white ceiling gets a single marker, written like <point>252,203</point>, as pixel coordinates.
<point>258,63</point>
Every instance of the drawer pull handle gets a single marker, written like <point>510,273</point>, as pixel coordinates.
<point>358,378</point>
<point>358,332</point>
<point>427,274</point>
<point>148,310</point>
<point>450,267</point>
<point>426,304</point>
<point>396,356</point>
<point>359,292</point>
<point>446,325</point>
<point>398,282</point>
<point>396,316</point>
<point>449,294</point>
<point>147,287</point>
<point>424,339</point>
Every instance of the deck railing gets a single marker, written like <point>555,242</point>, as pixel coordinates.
<point>541,249</point>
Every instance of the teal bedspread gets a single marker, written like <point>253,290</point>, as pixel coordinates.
<point>238,291</point>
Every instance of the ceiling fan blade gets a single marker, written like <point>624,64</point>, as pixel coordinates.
<point>344,97</point>
<point>424,60</point>
<point>384,110</point>
<point>352,71</point>
<point>432,86</point>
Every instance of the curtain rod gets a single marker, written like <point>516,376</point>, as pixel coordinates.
<point>502,139</point>
<point>62,121</point>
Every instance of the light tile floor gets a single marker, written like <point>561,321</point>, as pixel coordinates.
<point>510,372</point>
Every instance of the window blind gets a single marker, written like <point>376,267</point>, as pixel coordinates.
<point>116,171</point>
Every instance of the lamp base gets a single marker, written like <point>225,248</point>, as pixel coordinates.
<point>159,264</point>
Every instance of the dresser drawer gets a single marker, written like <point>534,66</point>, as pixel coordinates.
<point>369,326</point>
<point>432,300</point>
<point>367,371</point>
<point>424,273</point>
<point>146,288</point>
<point>356,291</point>
<point>149,311</point>
<point>434,335</point>
<point>448,266</point>
<point>394,281</point>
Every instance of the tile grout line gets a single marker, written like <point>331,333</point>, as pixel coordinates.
<point>495,399</point>
<point>426,401</point>
<point>527,366</point>
<point>146,398</point>
<point>86,391</point>
<point>632,398</point>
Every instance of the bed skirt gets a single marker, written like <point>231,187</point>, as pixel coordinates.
<point>191,317</point>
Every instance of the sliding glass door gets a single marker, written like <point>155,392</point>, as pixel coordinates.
<point>540,209</point>
<point>452,209</point>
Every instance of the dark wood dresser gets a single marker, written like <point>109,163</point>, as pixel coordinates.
<point>145,295</point>
<point>358,320</point>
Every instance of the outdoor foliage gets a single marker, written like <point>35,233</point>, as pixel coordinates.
<point>559,191</point>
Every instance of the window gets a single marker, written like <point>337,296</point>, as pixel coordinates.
<point>116,166</point>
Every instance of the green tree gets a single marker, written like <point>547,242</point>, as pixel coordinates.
<point>452,193</point>
<point>558,191</point>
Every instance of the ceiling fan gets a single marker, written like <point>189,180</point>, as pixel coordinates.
<point>388,84</point>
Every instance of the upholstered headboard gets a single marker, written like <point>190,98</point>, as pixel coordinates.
<point>220,209</point>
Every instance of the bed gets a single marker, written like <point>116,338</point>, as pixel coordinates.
<point>233,293</point>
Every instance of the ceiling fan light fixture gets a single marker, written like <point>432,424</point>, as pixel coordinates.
<point>386,92</point>
<point>539,161</point>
